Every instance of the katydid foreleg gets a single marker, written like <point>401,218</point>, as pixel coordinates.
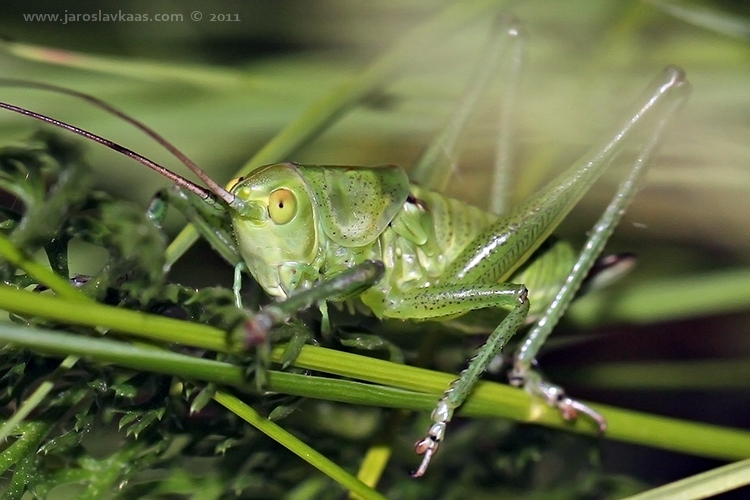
<point>347,283</point>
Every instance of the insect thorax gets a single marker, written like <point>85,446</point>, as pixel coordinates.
<point>422,239</point>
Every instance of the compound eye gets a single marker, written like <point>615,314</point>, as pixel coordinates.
<point>282,206</point>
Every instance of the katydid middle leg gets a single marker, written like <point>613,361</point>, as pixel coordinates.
<point>441,300</point>
<point>346,283</point>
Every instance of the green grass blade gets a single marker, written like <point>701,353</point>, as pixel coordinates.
<point>704,485</point>
<point>146,70</point>
<point>488,399</point>
<point>43,274</point>
<point>35,399</point>
<point>297,446</point>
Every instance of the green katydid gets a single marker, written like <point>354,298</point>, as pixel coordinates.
<point>366,236</point>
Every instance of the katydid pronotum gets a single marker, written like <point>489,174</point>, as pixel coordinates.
<point>312,234</point>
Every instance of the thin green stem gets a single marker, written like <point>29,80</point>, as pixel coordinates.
<point>704,485</point>
<point>297,446</point>
<point>142,69</point>
<point>143,325</point>
<point>36,398</point>
<point>10,253</point>
<point>409,388</point>
<point>42,274</point>
<point>94,315</point>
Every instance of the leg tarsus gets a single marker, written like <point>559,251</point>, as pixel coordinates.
<point>555,396</point>
<point>428,446</point>
<point>256,330</point>
<point>571,408</point>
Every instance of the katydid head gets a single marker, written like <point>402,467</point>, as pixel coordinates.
<point>275,230</point>
<point>293,214</point>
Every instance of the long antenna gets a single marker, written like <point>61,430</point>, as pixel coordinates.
<point>214,187</point>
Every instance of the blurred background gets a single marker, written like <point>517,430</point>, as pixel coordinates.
<point>223,82</point>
